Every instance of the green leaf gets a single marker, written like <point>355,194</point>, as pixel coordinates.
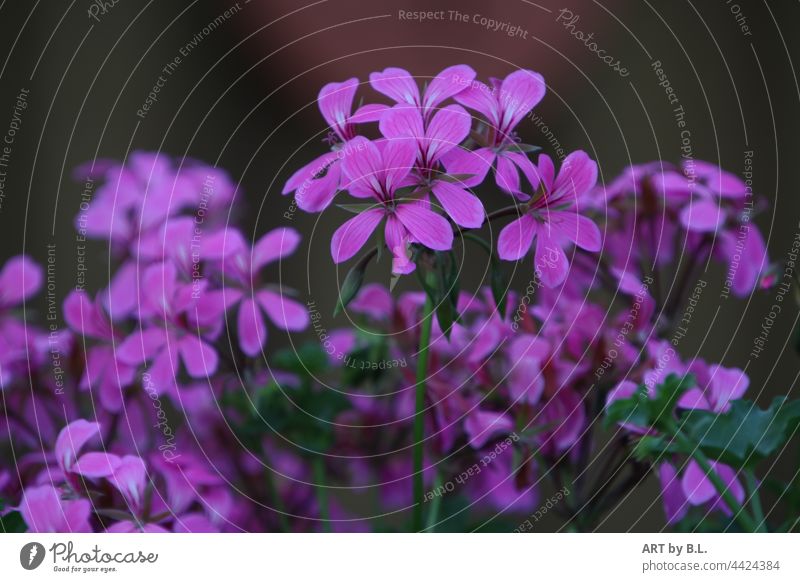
<point>12,522</point>
<point>650,410</point>
<point>499,283</point>
<point>651,447</point>
<point>352,284</point>
<point>745,434</point>
<point>309,359</point>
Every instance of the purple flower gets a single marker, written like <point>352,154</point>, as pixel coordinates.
<point>721,386</point>
<point>483,425</point>
<point>445,130</point>
<point>69,444</point>
<point>378,173</point>
<point>240,266</point>
<point>20,278</point>
<point>552,219</point>
<point>103,371</point>
<point>45,511</point>
<point>503,105</point>
<point>699,489</point>
<point>176,330</point>
<point>400,86</point>
<point>316,183</point>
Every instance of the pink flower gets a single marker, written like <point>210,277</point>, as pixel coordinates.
<point>378,173</point>
<point>503,105</point>
<point>552,219</point>
<point>180,328</point>
<point>103,371</point>
<point>699,489</point>
<point>92,465</point>
<point>20,278</point>
<point>316,183</point>
<point>45,511</point>
<point>400,86</point>
<point>721,386</point>
<point>445,130</point>
<point>240,266</point>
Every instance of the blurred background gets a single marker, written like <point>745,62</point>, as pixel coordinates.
<point>242,96</point>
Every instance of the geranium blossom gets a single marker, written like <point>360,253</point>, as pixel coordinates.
<point>551,218</point>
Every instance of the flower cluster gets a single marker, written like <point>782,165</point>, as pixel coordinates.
<point>161,406</point>
<point>417,175</point>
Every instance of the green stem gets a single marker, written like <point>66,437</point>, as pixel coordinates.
<point>754,499</point>
<point>433,514</point>
<point>322,492</point>
<point>272,491</point>
<point>692,449</point>
<point>419,408</point>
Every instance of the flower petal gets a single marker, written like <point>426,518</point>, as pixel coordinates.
<point>336,102</point>
<point>675,505</point>
<point>446,130</point>
<point>482,425</point>
<point>578,175</point>
<point>550,262</point>
<point>200,358</point>
<point>276,244</point>
<point>95,465</point>
<point>71,439</point>
<point>396,84</point>
<point>577,228</point>
<point>285,313</point>
<point>250,324</point>
<point>696,485</point>
<point>463,207</point>
<point>520,92</point>
<point>449,82</point>
<point>402,121</point>
<point>473,165</point>
<point>427,227</point>
<point>20,278</point>
<point>353,234</point>
<point>702,216</point>
<point>516,238</point>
